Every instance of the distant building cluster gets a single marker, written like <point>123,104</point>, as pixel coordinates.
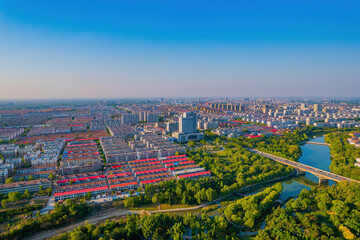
<point>108,148</point>
<point>10,133</point>
<point>31,161</point>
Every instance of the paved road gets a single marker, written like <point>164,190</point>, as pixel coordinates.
<point>306,168</point>
<point>90,219</point>
<point>94,219</point>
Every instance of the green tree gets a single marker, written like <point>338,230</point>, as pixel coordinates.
<point>177,231</point>
<point>27,194</point>
<point>88,195</point>
<point>52,177</point>
<point>49,190</point>
<point>191,144</point>
<point>9,180</point>
<point>4,203</point>
<point>14,196</point>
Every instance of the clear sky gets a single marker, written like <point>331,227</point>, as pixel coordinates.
<point>120,49</point>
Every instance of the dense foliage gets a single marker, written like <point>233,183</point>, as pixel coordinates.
<point>183,191</point>
<point>232,169</point>
<point>156,226</point>
<point>63,213</point>
<point>326,213</point>
<point>286,146</point>
<point>5,215</point>
<point>343,155</point>
<point>250,210</point>
<point>235,167</point>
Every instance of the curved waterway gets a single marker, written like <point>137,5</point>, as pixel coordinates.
<point>313,155</point>
<point>316,156</point>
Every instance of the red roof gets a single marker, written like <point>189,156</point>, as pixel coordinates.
<point>178,156</point>
<point>151,171</point>
<point>194,174</point>
<point>81,145</point>
<point>174,160</point>
<point>81,191</point>
<point>80,179</point>
<point>144,160</point>
<point>151,181</point>
<point>116,166</point>
<point>119,174</point>
<point>186,162</point>
<point>123,184</point>
<point>156,162</point>
<point>85,139</point>
<point>76,125</point>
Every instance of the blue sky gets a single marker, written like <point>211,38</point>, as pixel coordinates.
<point>110,49</point>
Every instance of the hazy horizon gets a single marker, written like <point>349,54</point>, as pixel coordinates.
<point>76,50</point>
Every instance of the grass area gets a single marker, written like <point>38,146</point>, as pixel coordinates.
<point>25,202</point>
<point>222,153</point>
<point>154,207</point>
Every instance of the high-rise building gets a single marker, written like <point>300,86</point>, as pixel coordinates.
<point>188,123</point>
<point>130,118</point>
<point>303,106</point>
<point>265,108</point>
<point>142,116</point>
<point>152,117</point>
<point>172,127</point>
<point>317,107</point>
<point>310,121</point>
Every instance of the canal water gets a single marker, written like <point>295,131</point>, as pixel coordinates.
<point>313,155</point>
<point>316,156</point>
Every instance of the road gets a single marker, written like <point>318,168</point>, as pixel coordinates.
<point>302,167</point>
<point>111,213</point>
<point>90,219</point>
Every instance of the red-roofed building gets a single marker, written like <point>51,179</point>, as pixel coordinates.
<point>124,186</point>
<point>79,193</point>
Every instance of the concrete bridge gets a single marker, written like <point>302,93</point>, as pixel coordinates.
<point>317,143</point>
<point>324,176</point>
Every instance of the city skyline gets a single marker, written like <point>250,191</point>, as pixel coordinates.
<point>138,50</point>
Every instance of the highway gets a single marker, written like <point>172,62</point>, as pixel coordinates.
<point>321,174</point>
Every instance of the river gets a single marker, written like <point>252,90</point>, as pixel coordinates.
<point>313,155</point>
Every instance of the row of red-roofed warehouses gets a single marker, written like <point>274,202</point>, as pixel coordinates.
<point>128,176</point>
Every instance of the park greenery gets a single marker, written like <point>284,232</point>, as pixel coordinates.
<point>321,213</point>
<point>286,146</point>
<point>62,214</point>
<point>232,169</point>
<point>250,211</point>
<point>343,155</point>
<point>235,167</point>
<point>156,226</point>
<point>183,191</point>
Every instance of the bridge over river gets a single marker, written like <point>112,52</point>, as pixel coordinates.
<point>324,176</point>
<point>318,143</point>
